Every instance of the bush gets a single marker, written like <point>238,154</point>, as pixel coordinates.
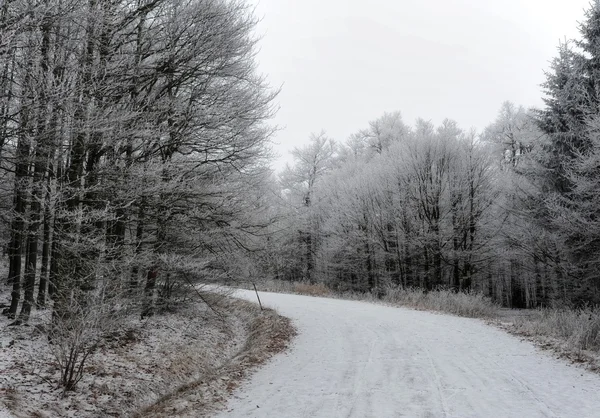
<point>77,329</point>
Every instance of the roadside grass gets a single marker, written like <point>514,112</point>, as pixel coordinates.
<point>467,304</point>
<point>470,305</point>
<point>267,334</point>
<point>573,333</point>
<point>144,363</point>
<point>298,288</point>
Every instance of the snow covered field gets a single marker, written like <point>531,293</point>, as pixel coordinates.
<point>355,359</point>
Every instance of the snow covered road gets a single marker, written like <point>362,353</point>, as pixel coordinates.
<point>355,359</point>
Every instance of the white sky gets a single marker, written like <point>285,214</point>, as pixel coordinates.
<point>342,63</point>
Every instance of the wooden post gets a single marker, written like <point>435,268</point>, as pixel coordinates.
<point>257,297</point>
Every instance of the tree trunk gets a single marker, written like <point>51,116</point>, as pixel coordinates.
<point>32,240</point>
<point>516,287</point>
<point>6,85</point>
<point>16,241</point>
<point>53,276</point>
<point>309,257</point>
<point>70,262</point>
<point>47,236</point>
<point>40,164</point>
<point>139,236</point>
<point>426,283</point>
<point>148,309</point>
<point>371,284</point>
<point>455,266</point>
<point>15,248</point>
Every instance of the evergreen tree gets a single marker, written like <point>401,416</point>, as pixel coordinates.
<point>572,103</point>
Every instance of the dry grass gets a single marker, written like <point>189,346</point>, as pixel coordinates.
<point>144,362</point>
<point>299,288</point>
<point>471,305</point>
<point>268,335</point>
<point>318,289</point>
<point>573,333</point>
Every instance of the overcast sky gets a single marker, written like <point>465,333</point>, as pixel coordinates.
<point>342,63</point>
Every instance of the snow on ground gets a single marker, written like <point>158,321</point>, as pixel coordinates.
<point>4,413</point>
<point>355,359</point>
<point>152,357</point>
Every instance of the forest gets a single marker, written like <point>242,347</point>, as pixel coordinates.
<point>510,212</point>
<point>135,150</point>
<point>133,145</point>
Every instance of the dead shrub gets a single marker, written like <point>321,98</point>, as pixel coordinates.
<point>309,289</point>
<point>80,323</point>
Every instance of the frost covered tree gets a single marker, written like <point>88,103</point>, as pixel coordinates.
<point>299,183</point>
<point>563,172</point>
<point>127,119</point>
<point>513,133</point>
<point>416,212</point>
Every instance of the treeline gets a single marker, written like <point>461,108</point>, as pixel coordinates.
<point>134,152</point>
<point>133,148</point>
<point>512,212</point>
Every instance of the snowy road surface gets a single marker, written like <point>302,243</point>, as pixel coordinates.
<point>354,359</point>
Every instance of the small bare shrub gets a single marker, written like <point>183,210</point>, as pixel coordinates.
<point>79,324</point>
<point>177,277</point>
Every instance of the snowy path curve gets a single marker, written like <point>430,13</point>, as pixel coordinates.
<point>355,359</point>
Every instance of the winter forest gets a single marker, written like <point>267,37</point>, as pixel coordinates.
<point>135,164</point>
<point>509,212</point>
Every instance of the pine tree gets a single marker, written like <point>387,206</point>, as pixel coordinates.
<point>572,103</point>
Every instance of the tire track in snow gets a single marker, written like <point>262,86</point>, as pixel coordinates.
<point>359,360</point>
<point>438,384</point>
<point>522,384</point>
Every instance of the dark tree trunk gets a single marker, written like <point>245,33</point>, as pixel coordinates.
<point>148,309</point>
<point>45,269</point>
<point>159,246</point>
<point>53,276</point>
<point>70,262</point>
<point>437,267</point>
<point>436,279</point>
<point>15,245</point>
<point>6,86</point>
<point>456,267</point>
<point>409,272</point>
<point>517,294</point>
<point>309,258</point>
<point>139,236</point>
<point>371,284</point>
<point>426,281</point>
<point>15,248</point>
<point>40,164</point>
<point>32,241</point>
